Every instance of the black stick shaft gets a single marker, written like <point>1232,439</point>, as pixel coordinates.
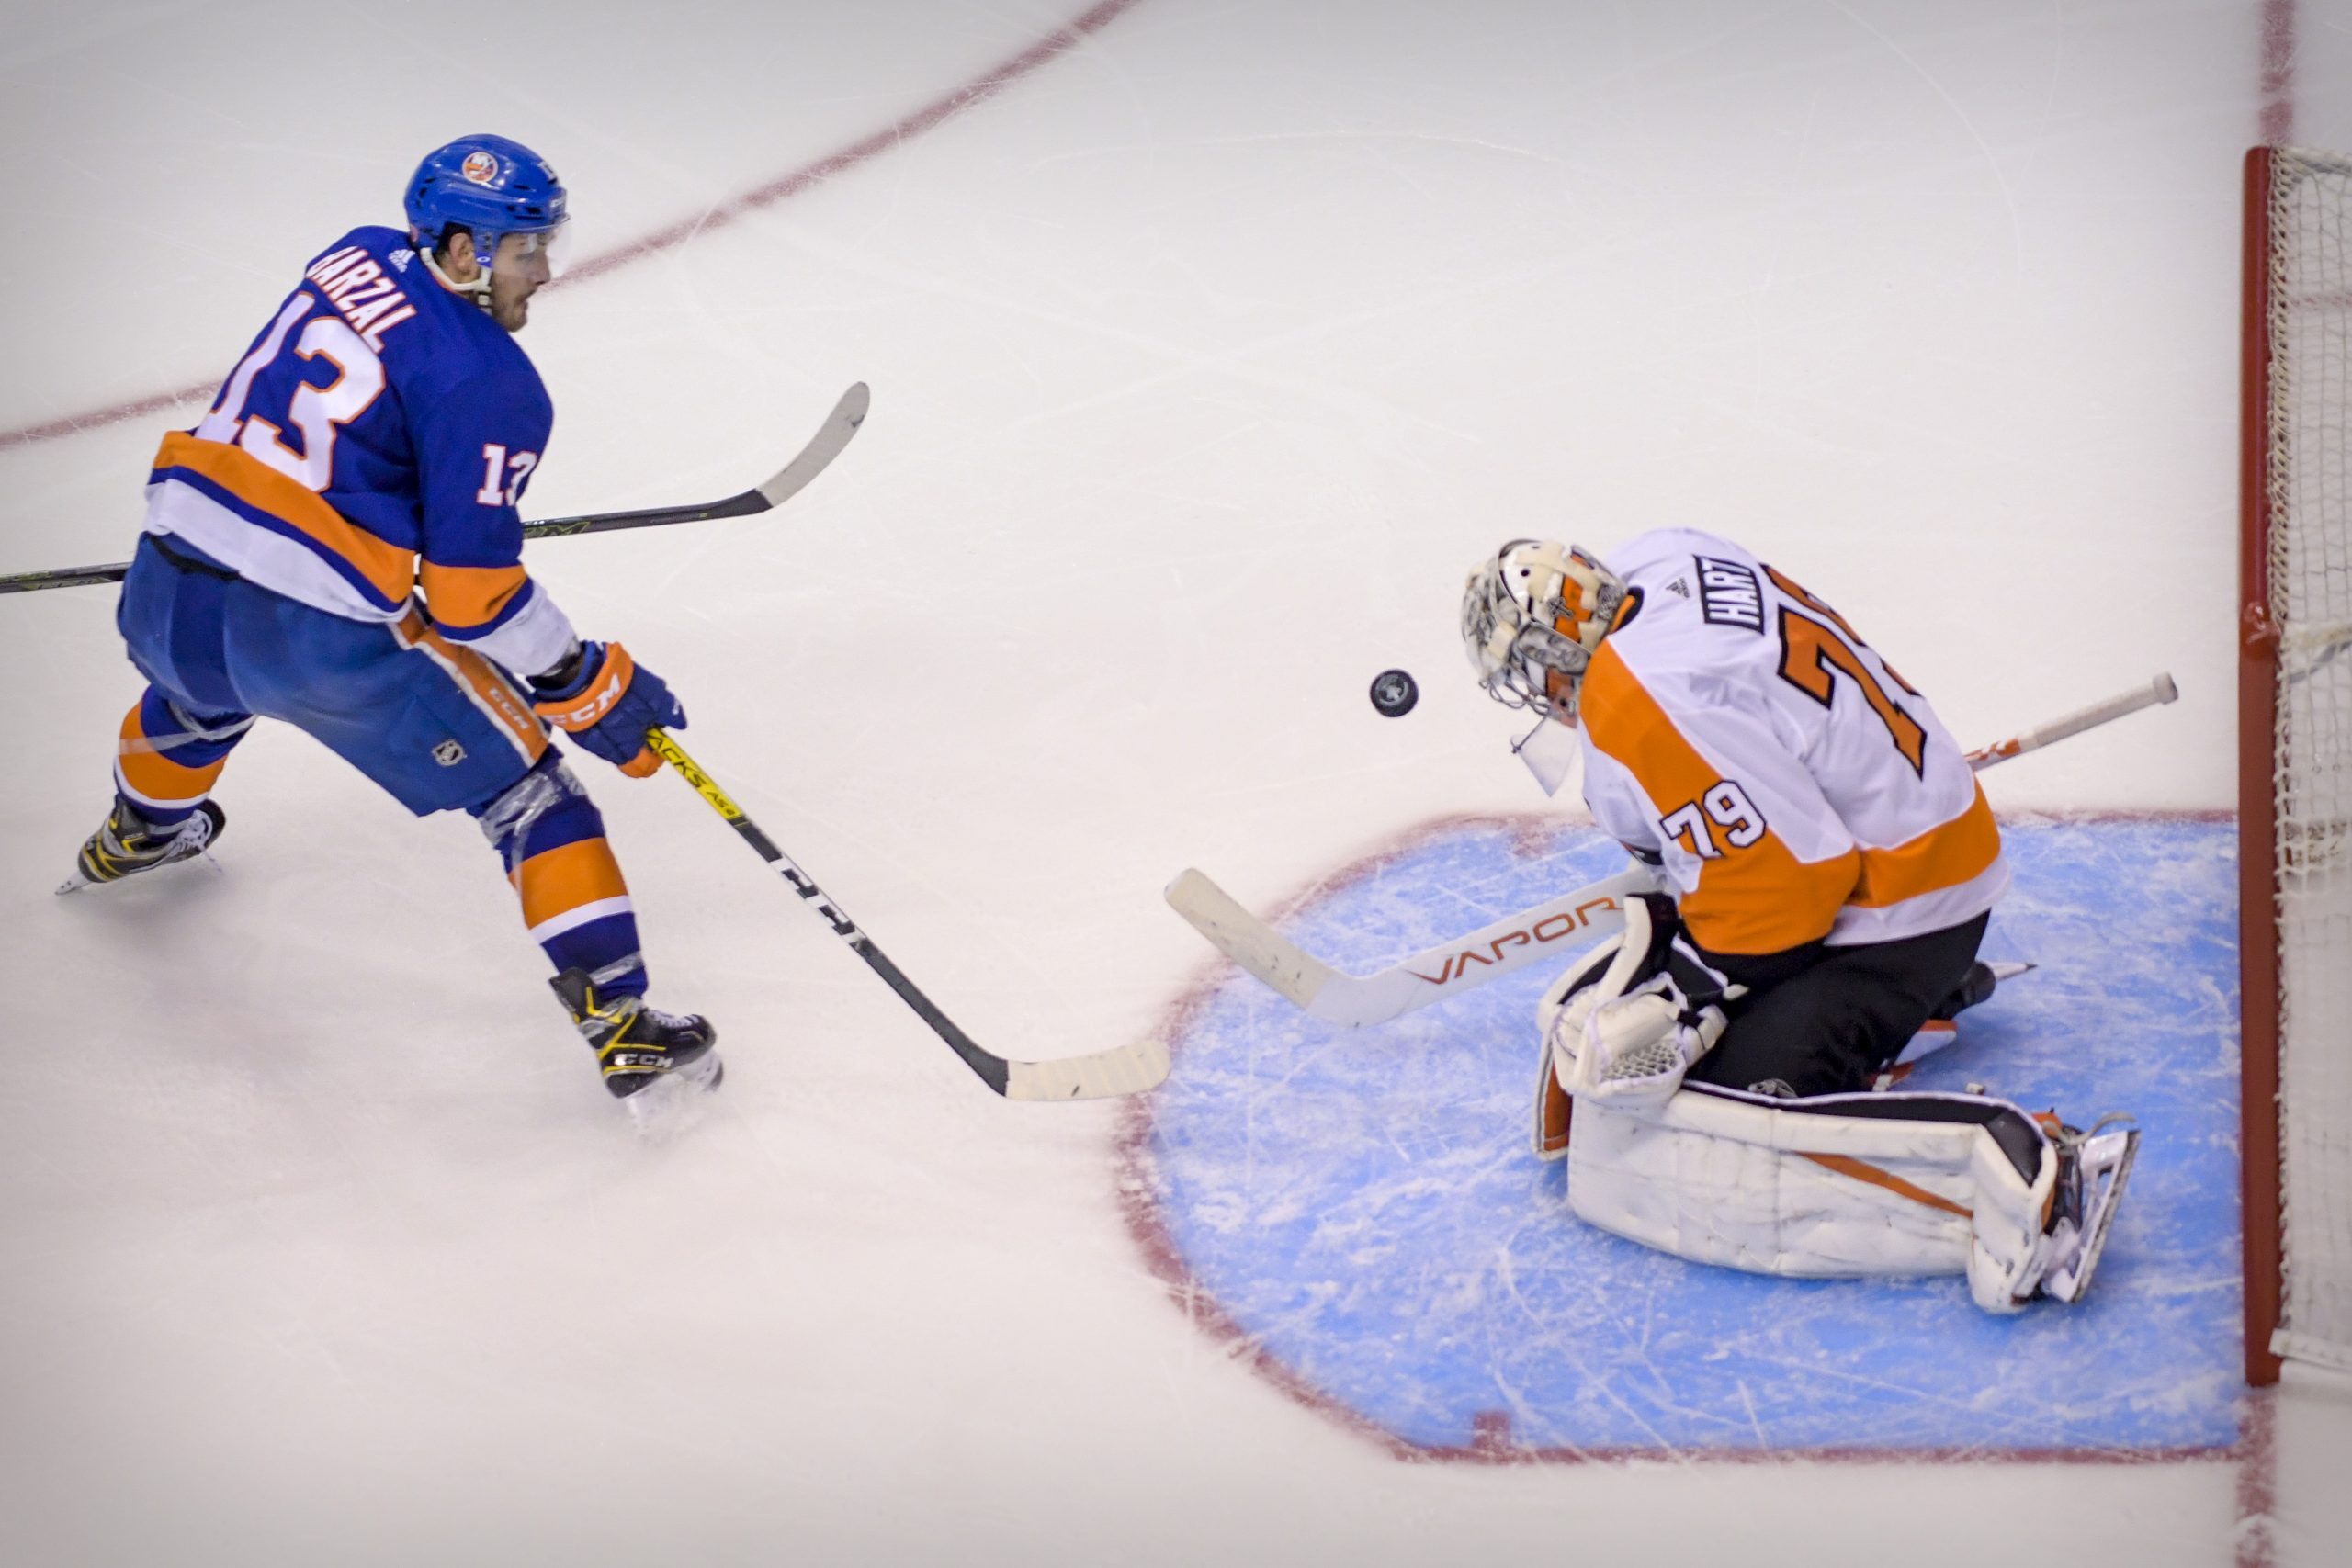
<point>742,505</point>
<point>993,1069</point>
<point>830,438</point>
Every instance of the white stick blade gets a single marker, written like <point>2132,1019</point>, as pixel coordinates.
<point>1247,941</point>
<point>1106,1075</point>
<point>822,448</point>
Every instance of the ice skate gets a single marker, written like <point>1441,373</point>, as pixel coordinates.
<point>637,1045</point>
<point>128,844</point>
<point>2093,1167</point>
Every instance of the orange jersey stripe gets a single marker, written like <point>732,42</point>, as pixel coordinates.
<point>389,569</point>
<point>1756,900</point>
<point>1958,850</point>
<point>566,877</point>
<point>466,596</point>
<point>156,776</point>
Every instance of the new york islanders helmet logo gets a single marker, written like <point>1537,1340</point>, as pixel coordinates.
<point>479,167</point>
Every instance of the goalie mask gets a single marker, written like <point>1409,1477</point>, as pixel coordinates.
<point>1532,618</point>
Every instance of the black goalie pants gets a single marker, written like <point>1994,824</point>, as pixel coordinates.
<point>1824,1020</point>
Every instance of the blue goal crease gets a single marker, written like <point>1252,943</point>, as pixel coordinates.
<point>1363,1203</point>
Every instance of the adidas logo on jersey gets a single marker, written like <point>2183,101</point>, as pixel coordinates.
<point>1680,586</point>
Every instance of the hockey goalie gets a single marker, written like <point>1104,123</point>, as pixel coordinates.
<point>1826,868</point>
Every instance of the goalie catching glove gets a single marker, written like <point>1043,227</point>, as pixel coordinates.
<point>607,701</point>
<point>1629,1019</point>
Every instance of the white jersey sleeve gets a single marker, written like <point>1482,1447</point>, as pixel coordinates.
<point>1796,788</point>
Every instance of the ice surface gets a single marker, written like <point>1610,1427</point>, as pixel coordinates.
<point>1205,360</point>
<point>1363,1203</point>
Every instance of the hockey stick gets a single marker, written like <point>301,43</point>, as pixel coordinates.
<point>1463,965</point>
<point>2160,690</point>
<point>1512,942</point>
<point>787,481</point>
<point>1105,1074</point>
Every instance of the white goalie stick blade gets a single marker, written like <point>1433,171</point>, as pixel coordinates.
<point>1106,1075</point>
<point>1463,965</point>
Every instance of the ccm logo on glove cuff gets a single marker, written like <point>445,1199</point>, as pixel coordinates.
<point>583,709</point>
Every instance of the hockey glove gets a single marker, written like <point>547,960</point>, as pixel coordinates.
<point>1629,1021</point>
<point>607,701</point>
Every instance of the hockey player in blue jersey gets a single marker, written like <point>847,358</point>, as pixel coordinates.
<point>336,545</point>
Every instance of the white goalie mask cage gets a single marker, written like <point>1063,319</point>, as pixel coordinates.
<point>1532,618</point>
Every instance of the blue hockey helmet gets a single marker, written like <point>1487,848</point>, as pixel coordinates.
<point>488,185</point>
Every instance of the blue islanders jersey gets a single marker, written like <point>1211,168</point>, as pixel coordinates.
<point>374,441</point>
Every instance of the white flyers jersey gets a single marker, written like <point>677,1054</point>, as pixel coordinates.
<point>1795,787</point>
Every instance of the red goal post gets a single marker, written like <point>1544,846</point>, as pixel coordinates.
<point>2295,759</point>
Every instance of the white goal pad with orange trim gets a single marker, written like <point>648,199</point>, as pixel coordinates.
<point>1837,1185</point>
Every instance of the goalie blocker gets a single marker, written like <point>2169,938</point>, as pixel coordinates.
<point>1836,1185</point>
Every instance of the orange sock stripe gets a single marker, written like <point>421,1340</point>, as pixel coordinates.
<point>567,876</point>
<point>152,776</point>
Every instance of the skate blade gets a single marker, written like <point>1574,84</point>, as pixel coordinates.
<point>676,1101</point>
<point>73,884</point>
<point>2110,1154</point>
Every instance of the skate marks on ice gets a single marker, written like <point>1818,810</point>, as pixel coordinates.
<point>1357,1210</point>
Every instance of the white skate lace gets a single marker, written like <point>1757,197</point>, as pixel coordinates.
<point>661,1019</point>
<point>188,839</point>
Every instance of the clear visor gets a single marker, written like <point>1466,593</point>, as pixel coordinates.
<point>539,254</point>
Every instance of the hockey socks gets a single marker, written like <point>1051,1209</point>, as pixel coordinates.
<point>576,902</point>
<point>168,758</point>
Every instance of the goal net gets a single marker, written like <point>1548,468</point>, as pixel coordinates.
<point>2295,742</point>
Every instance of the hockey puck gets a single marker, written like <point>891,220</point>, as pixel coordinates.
<point>1394,693</point>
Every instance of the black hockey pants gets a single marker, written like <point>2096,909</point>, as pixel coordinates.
<point>1825,1020</point>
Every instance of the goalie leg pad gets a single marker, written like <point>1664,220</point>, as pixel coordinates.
<point>1838,1185</point>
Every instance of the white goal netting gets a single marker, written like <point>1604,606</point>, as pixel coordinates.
<point>2309,473</point>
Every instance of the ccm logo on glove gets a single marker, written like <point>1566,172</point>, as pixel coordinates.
<point>606,683</point>
<point>609,705</point>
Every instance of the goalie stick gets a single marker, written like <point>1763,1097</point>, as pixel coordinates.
<point>1514,941</point>
<point>2159,690</point>
<point>781,487</point>
<point>1128,1069</point>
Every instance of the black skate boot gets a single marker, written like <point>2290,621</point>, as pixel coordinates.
<point>128,843</point>
<point>636,1045</point>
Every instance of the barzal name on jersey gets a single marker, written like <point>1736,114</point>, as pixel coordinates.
<point>1793,785</point>
<point>375,440</point>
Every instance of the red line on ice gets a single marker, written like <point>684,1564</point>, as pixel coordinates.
<point>980,89</point>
